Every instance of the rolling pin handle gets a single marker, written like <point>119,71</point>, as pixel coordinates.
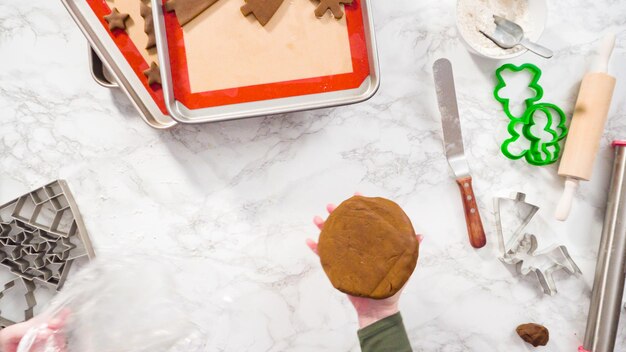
<point>565,203</point>
<point>600,62</point>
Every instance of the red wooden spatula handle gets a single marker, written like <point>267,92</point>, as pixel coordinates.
<point>472,216</point>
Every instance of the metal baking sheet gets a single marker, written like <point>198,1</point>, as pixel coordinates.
<point>182,114</point>
<point>113,60</point>
<point>99,72</point>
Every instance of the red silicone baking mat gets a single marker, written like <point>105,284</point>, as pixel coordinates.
<point>253,93</point>
<point>129,51</point>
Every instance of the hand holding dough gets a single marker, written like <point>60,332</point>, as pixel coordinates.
<point>368,247</point>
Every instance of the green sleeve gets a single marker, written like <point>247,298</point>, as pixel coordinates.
<point>387,335</point>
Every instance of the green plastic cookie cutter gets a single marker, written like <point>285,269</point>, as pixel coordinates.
<point>539,153</point>
<point>534,85</point>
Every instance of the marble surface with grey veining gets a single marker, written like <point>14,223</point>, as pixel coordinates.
<point>231,203</point>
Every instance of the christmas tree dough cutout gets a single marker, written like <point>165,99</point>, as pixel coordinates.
<point>333,5</point>
<point>116,20</point>
<point>187,10</point>
<point>263,10</point>
<point>146,13</point>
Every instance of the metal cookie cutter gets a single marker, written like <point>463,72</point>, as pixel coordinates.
<point>29,298</point>
<point>522,246</point>
<point>41,235</point>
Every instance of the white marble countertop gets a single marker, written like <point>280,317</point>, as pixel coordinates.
<point>235,200</point>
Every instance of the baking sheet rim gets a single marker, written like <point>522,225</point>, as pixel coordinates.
<point>182,114</point>
<point>130,81</point>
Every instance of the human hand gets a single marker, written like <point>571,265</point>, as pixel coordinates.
<point>11,336</point>
<point>368,310</point>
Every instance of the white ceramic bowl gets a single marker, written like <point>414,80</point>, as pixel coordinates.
<point>538,15</point>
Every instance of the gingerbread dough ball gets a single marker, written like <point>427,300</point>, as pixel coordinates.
<point>368,247</point>
<point>534,334</point>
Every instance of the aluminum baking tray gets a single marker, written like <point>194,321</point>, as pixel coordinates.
<point>99,72</point>
<point>179,112</point>
<point>120,70</point>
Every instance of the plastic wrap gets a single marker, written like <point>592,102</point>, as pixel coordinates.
<point>113,306</point>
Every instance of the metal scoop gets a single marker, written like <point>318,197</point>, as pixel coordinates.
<point>509,34</point>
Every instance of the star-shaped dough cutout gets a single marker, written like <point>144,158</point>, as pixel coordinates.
<point>153,74</point>
<point>116,20</point>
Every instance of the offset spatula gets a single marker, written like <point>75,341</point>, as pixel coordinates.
<point>453,141</point>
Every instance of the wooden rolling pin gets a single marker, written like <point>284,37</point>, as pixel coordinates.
<point>587,127</point>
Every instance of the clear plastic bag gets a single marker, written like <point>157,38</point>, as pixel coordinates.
<point>113,306</point>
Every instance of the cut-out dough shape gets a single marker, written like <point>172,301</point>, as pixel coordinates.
<point>263,10</point>
<point>333,5</point>
<point>116,20</point>
<point>146,13</point>
<point>187,10</point>
<point>153,74</point>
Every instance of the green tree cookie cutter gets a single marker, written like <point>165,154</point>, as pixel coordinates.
<point>534,85</point>
<point>539,153</point>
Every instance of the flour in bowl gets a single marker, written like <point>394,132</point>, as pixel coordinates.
<point>476,15</point>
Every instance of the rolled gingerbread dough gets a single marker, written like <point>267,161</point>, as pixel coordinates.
<point>368,247</point>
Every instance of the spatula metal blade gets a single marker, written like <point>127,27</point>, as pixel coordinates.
<point>450,121</point>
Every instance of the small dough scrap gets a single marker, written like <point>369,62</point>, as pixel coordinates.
<point>263,10</point>
<point>333,5</point>
<point>146,13</point>
<point>116,20</point>
<point>368,247</point>
<point>534,334</point>
<point>153,74</point>
<point>187,10</point>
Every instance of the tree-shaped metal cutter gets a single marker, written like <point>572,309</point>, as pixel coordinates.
<point>525,243</point>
